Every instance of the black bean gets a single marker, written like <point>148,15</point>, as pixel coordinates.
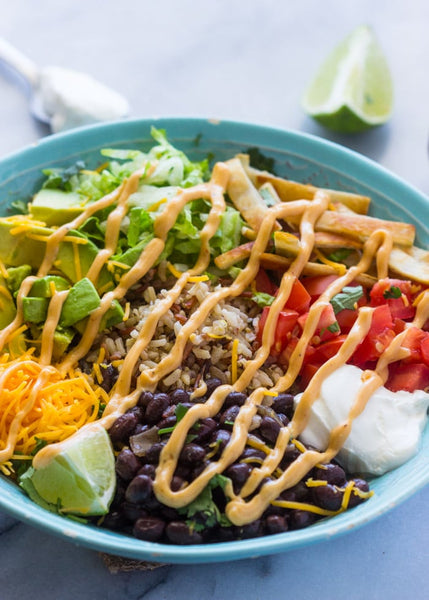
<point>327,496</point>
<point>192,454</point>
<point>179,533</point>
<point>298,519</point>
<point>300,490</point>
<point>269,429</point>
<point>144,398</point>
<point>148,470</point>
<point>132,511</point>
<point>151,455</point>
<point>109,375</point>
<point>183,471</point>
<point>362,485</point>
<point>169,411</point>
<point>291,453</point>
<point>123,427</point>
<point>283,418</point>
<point>331,473</point>
<point>156,407</point>
<point>250,530</point>
<point>212,384</point>
<point>283,403</point>
<point>238,473</point>
<point>139,489</point>
<point>179,396</point>
<point>167,422</point>
<point>150,529</point>
<point>139,428</point>
<point>252,453</point>
<point>127,464</point>
<point>176,483</point>
<point>220,437</point>
<point>196,471</point>
<point>205,429</point>
<point>138,411</point>
<point>276,524</point>
<point>228,416</point>
<point>114,520</point>
<point>237,398</point>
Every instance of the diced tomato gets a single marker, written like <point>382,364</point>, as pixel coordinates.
<point>408,377</point>
<point>299,298</point>
<point>380,335</point>
<point>400,308</point>
<point>307,373</point>
<point>316,285</point>
<point>285,323</point>
<point>425,350</point>
<point>327,327</point>
<point>264,284</point>
<point>346,319</point>
<point>328,349</point>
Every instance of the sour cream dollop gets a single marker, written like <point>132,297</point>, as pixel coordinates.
<point>384,436</point>
<point>72,99</point>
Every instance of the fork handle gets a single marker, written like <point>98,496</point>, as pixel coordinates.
<point>19,62</point>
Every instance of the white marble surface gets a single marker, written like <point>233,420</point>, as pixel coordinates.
<point>247,61</point>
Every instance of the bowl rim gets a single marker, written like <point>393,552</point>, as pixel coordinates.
<point>334,156</point>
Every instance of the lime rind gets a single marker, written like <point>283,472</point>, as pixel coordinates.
<point>353,90</point>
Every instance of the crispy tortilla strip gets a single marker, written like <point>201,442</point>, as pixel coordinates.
<point>325,239</point>
<point>245,196</point>
<point>411,263</point>
<point>232,257</point>
<point>360,227</point>
<point>292,190</point>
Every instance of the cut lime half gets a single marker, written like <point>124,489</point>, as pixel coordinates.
<point>353,89</point>
<point>79,479</point>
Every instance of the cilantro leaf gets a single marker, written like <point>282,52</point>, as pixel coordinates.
<point>334,327</point>
<point>392,292</point>
<point>203,512</point>
<point>260,161</point>
<point>340,255</point>
<point>347,298</point>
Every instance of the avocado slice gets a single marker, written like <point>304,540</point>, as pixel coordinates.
<point>7,305</point>
<point>63,337</point>
<point>35,309</point>
<point>82,299</point>
<point>42,287</point>
<point>16,276</point>
<point>56,207</point>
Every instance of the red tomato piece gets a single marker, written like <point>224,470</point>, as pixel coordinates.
<point>346,319</point>
<point>413,342</point>
<point>328,349</point>
<point>299,298</point>
<point>316,285</point>
<point>307,373</point>
<point>327,327</point>
<point>264,284</point>
<point>400,308</point>
<point>425,350</point>
<point>380,334</point>
<point>408,377</point>
<point>285,323</point>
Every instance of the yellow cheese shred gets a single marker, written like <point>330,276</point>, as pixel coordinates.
<point>60,408</point>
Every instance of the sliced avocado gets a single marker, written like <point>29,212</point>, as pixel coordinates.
<point>35,309</point>
<point>42,287</point>
<point>17,249</point>
<point>7,305</point>
<point>16,276</point>
<point>63,337</point>
<point>56,207</point>
<point>82,299</point>
<point>113,316</point>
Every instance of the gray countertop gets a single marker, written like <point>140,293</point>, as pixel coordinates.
<point>248,61</point>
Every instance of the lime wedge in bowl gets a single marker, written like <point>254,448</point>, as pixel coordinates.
<point>79,479</point>
<point>353,90</point>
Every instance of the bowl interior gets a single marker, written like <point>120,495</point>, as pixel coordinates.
<point>297,156</point>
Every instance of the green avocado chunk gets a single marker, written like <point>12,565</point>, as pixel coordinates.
<point>55,207</point>
<point>63,337</point>
<point>42,287</point>
<point>7,305</point>
<point>16,276</point>
<point>82,299</point>
<point>35,309</point>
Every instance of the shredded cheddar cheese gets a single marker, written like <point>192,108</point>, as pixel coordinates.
<point>234,361</point>
<point>339,267</point>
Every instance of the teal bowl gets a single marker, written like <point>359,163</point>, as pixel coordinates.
<point>297,156</point>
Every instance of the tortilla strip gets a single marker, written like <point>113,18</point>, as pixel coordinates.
<point>245,196</point>
<point>411,263</point>
<point>360,227</point>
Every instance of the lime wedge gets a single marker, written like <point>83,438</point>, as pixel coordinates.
<point>353,89</point>
<point>79,479</point>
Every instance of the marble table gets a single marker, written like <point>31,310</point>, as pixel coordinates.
<point>247,61</point>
